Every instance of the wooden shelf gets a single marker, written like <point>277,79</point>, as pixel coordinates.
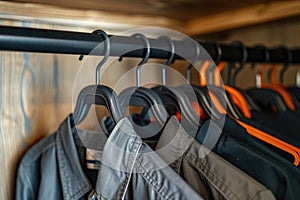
<point>243,17</point>
<point>191,17</point>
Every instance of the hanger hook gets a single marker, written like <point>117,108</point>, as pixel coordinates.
<point>171,58</point>
<point>242,62</point>
<point>267,59</point>
<point>106,55</point>
<point>145,59</point>
<point>267,53</point>
<point>286,64</point>
<point>217,60</point>
<point>191,64</point>
<point>219,53</point>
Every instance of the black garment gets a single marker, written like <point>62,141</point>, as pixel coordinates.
<point>295,92</point>
<point>272,132</point>
<point>283,125</point>
<point>254,158</point>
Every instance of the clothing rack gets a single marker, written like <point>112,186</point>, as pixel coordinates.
<point>66,42</point>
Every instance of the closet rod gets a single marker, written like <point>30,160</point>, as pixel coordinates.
<point>66,42</point>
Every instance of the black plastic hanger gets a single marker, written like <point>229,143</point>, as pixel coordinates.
<point>241,65</point>
<point>286,64</point>
<point>175,99</point>
<point>141,96</point>
<point>217,60</point>
<point>168,97</point>
<point>223,97</point>
<point>200,92</point>
<point>251,104</point>
<point>293,91</point>
<point>267,99</point>
<point>231,78</point>
<point>98,94</point>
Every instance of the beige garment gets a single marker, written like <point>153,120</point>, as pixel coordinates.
<point>207,173</point>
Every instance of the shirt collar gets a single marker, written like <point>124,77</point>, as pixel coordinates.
<point>131,155</point>
<point>74,182</point>
<point>127,154</point>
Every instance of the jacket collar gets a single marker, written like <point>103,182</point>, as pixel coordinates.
<point>74,182</point>
<point>173,143</point>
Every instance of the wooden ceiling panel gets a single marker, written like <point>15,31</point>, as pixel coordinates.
<point>194,17</point>
<point>176,9</point>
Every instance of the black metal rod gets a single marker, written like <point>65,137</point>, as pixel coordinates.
<point>66,42</point>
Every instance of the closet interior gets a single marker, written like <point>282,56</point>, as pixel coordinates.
<point>150,99</point>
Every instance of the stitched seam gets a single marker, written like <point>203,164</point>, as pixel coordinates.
<point>133,146</point>
<point>122,188</point>
<point>65,181</point>
<point>80,192</point>
<point>153,183</point>
<point>158,188</point>
<point>208,173</point>
<point>161,191</point>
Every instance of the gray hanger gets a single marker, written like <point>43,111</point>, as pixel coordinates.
<point>169,61</point>
<point>200,92</point>
<point>210,71</point>
<point>98,94</point>
<point>191,64</point>
<point>141,96</point>
<point>189,119</point>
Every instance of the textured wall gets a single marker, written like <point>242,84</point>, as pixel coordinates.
<point>34,98</point>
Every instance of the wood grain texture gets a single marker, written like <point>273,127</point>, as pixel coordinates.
<point>211,17</point>
<point>181,10</point>
<point>33,101</point>
<point>243,17</point>
<point>91,19</point>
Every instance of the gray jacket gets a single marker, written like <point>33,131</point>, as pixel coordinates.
<point>52,169</point>
<point>210,175</point>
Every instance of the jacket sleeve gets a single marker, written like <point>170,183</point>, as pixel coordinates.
<point>24,189</point>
